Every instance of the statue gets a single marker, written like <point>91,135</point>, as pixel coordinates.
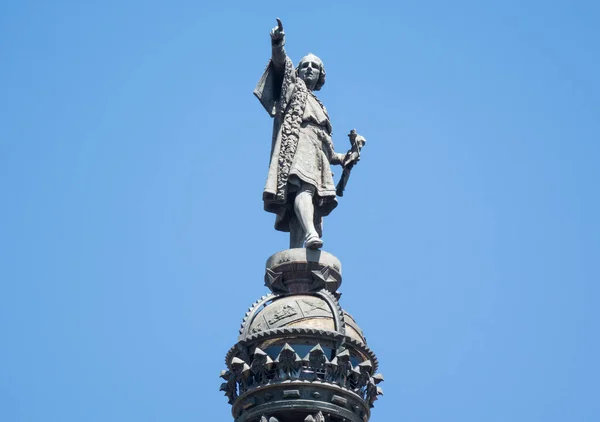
<point>300,188</point>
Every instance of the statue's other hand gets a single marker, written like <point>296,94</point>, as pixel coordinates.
<point>277,33</point>
<point>351,158</point>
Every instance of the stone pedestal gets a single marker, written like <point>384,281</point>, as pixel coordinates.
<point>302,270</point>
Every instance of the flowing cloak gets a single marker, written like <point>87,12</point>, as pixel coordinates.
<point>301,148</point>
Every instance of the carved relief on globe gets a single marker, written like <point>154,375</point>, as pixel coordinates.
<point>294,311</point>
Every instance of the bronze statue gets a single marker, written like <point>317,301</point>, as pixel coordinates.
<point>300,188</point>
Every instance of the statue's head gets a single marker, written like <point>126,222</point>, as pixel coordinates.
<point>311,71</point>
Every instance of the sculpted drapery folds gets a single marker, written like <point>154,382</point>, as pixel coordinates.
<point>299,188</point>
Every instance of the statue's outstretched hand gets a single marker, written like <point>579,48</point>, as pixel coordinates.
<point>277,34</point>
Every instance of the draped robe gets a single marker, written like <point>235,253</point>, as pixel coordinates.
<point>301,148</point>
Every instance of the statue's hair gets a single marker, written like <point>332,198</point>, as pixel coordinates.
<point>322,75</point>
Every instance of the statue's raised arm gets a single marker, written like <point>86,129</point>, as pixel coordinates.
<point>277,33</point>
<point>277,43</point>
<point>299,189</point>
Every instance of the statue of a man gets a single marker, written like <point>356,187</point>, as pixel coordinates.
<point>299,189</point>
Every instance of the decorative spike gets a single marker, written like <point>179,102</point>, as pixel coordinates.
<point>317,348</point>
<point>322,279</point>
<point>259,351</point>
<point>345,354</point>
<point>239,366</point>
<point>274,281</point>
<point>286,346</point>
<point>366,367</point>
<point>237,361</point>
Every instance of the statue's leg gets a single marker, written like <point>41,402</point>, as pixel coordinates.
<point>296,232</point>
<point>319,225</point>
<point>305,210</point>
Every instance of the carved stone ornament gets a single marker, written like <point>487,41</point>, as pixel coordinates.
<point>230,386</point>
<point>274,281</point>
<point>288,363</point>
<point>317,364</point>
<point>323,279</point>
<point>317,417</point>
<point>373,391</point>
<point>341,368</point>
<point>261,367</point>
<point>241,371</point>
<point>361,374</point>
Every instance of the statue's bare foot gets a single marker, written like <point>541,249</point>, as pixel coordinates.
<point>314,242</point>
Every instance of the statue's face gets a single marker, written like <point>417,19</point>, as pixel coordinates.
<point>309,70</point>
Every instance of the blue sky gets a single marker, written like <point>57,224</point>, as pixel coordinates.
<point>132,236</point>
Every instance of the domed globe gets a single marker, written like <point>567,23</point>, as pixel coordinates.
<point>302,320</point>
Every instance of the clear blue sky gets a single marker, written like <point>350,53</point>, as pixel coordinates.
<point>132,236</point>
